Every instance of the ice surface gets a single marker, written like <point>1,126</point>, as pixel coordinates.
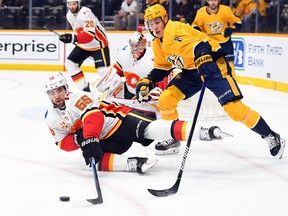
<point>231,177</point>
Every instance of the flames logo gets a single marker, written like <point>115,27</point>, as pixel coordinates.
<point>131,79</point>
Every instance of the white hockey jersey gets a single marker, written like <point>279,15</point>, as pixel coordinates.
<point>131,69</point>
<point>89,32</point>
<point>98,120</point>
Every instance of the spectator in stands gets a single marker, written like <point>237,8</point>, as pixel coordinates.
<point>166,5</point>
<point>22,14</point>
<point>185,11</point>
<point>238,7</point>
<point>284,18</point>
<point>111,6</point>
<point>248,18</point>
<point>126,18</point>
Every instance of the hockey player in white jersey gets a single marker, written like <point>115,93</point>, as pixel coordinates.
<point>104,131</point>
<point>90,40</point>
<point>133,62</point>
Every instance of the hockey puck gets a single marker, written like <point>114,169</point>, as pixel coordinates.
<point>65,198</point>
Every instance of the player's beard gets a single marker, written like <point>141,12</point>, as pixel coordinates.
<point>59,103</point>
<point>74,10</point>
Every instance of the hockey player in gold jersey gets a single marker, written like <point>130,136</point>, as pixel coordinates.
<point>198,56</point>
<point>218,22</point>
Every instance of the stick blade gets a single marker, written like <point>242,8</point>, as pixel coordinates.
<point>166,192</point>
<point>86,203</point>
<point>162,193</point>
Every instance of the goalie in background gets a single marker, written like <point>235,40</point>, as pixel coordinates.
<point>219,23</point>
<point>200,58</point>
<point>104,131</point>
<point>90,41</point>
<point>134,62</point>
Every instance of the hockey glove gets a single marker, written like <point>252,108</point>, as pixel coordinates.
<point>78,136</point>
<point>67,38</point>
<point>228,32</point>
<point>207,67</point>
<point>143,87</point>
<point>91,149</point>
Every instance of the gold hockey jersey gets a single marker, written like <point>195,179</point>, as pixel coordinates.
<point>176,48</point>
<point>214,24</point>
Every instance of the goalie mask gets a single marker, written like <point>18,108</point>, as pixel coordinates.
<point>137,43</point>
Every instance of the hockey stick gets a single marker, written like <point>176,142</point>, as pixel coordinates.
<point>175,187</point>
<point>90,202</point>
<point>48,25</point>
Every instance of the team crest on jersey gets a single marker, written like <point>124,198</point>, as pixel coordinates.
<point>215,27</point>
<point>177,61</point>
<point>131,79</point>
<point>178,39</point>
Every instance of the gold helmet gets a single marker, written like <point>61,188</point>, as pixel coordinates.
<point>155,11</point>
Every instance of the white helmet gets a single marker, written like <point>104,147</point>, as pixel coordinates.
<point>79,1</point>
<point>55,80</point>
<point>137,43</point>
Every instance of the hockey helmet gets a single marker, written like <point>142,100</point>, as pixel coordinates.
<point>55,80</point>
<point>155,11</point>
<point>78,1</point>
<point>137,43</point>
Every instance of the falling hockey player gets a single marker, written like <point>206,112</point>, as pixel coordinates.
<point>104,131</point>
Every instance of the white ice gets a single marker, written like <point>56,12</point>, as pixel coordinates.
<point>235,176</point>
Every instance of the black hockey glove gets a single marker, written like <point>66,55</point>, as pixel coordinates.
<point>67,38</point>
<point>207,67</point>
<point>78,136</point>
<point>91,149</point>
<point>143,87</point>
<point>228,32</point>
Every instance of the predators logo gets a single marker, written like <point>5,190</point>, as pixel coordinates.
<point>215,27</point>
<point>177,61</point>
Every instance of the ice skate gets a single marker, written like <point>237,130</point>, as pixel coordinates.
<point>140,164</point>
<point>276,144</point>
<point>212,133</point>
<point>167,147</point>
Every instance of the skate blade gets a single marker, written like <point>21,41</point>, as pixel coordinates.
<point>223,134</point>
<point>148,165</point>
<point>281,151</point>
<point>170,151</point>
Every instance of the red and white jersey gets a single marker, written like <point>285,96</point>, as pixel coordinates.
<point>98,120</point>
<point>90,34</point>
<point>131,69</point>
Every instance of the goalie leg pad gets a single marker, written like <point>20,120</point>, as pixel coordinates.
<point>168,102</point>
